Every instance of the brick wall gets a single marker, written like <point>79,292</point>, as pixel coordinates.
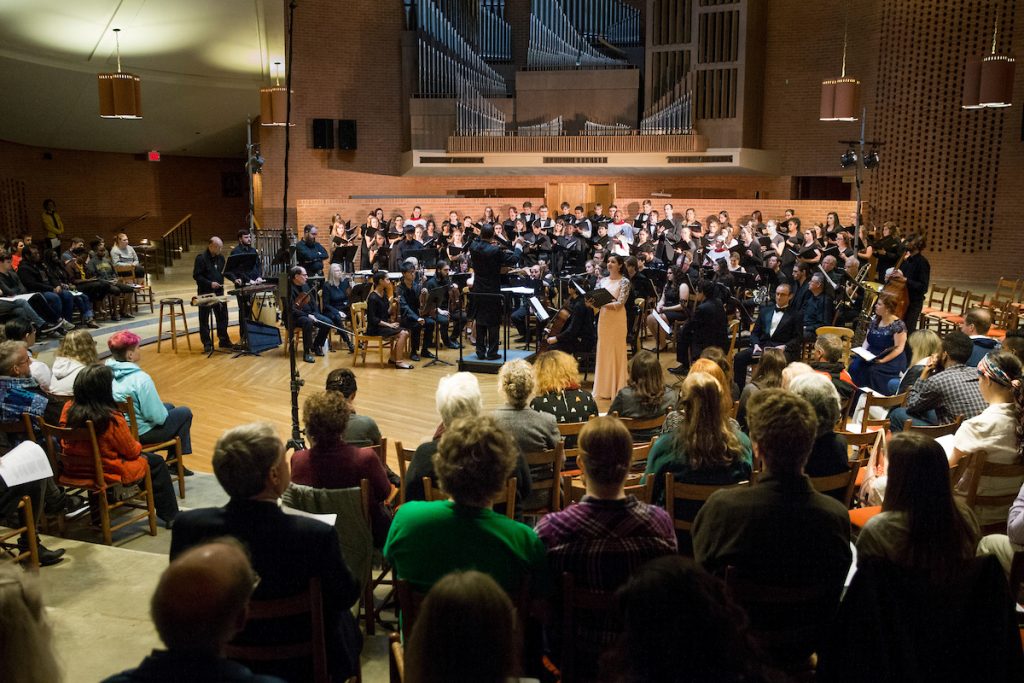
<point>95,192</point>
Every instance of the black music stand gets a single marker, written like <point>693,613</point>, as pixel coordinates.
<point>425,258</point>
<point>436,296</point>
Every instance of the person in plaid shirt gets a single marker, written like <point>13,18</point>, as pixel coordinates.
<point>947,387</point>
<point>607,536</point>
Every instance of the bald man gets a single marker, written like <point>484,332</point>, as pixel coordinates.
<point>200,604</point>
<point>208,273</point>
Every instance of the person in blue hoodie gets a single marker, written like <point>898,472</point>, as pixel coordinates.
<point>158,420</point>
<point>976,325</point>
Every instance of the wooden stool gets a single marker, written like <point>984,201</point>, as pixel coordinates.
<point>170,304</point>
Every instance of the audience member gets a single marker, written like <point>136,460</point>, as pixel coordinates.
<point>828,361</point>
<point>605,538</point>
<point>158,420</point>
<point>886,338</point>
<point>361,430</point>
<point>946,388</point>
<point>38,278</point>
<point>26,650</point>
<point>680,625</point>
<point>674,418</point>
<point>22,330</point>
<point>466,632</point>
<point>36,308</point>
<point>767,375</point>
<point>557,390</point>
<point>200,604</point>
<point>828,454</point>
<point>714,353</point>
<point>976,325</point>
<point>287,550</point>
<point>792,371</point>
<point>707,447</point>
<point>1003,546</point>
<point>1014,343</point>
<point>923,343</point>
<point>76,350</point>
<point>779,531</point>
<point>998,430</point>
<point>531,430</point>
<point>646,396</point>
<point>474,459</point>
<point>331,463</point>
<point>122,457</point>
<point>19,392</point>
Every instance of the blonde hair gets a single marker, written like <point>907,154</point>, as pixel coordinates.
<point>794,370</point>
<point>712,368</point>
<point>705,436</point>
<point>923,343</point>
<point>555,371</point>
<point>515,382</point>
<point>26,655</point>
<point>78,345</point>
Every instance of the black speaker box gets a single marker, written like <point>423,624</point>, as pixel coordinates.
<point>323,133</point>
<point>262,337</point>
<point>347,134</point>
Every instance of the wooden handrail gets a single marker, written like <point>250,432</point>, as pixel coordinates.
<point>176,226</point>
<point>131,221</point>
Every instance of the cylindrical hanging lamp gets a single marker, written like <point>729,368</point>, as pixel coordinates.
<point>988,82</point>
<point>120,93</point>
<point>274,103</point>
<point>840,97</point>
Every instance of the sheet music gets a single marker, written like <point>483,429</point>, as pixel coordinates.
<point>864,353</point>
<point>661,321</point>
<point>526,291</point>
<point>539,310</point>
<point>946,441</point>
<point>24,463</point>
<point>17,297</point>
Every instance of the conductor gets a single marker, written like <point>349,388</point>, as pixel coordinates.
<point>488,259</point>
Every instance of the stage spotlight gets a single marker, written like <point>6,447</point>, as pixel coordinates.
<point>849,158</point>
<point>871,160</point>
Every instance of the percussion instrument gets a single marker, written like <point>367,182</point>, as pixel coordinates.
<point>209,299</point>
<point>264,307</point>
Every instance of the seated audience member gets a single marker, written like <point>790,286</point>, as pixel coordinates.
<point>287,550</point>
<point>997,430</point>
<point>10,496</point>
<point>886,338</point>
<point>705,365</point>
<point>828,360</point>
<point>605,538</point>
<point>36,277</point>
<point>923,344</point>
<point>557,390</point>
<point>532,431</point>
<point>465,632</point>
<point>76,350</point>
<point>778,325</point>
<point>946,388</point>
<point>457,395</point>
<point>707,447</point>
<point>331,463</point>
<point>1003,546</point>
<point>680,624</point>
<point>779,531</point>
<point>767,375</point>
<point>41,309</point>
<point>920,527</point>
<point>25,632</point>
<point>1014,343</point>
<point>19,392</point>
<point>976,325</point>
<point>121,455</point>
<point>361,430</point>
<point>792,371</point>
<point>828,454</point>
<point>474,459</point>
<point>713,353</point>
<point>200,604</point>
<point>22,330</point>
<point>158,421</point>
<point>646,396</point>
<point>123,254</point>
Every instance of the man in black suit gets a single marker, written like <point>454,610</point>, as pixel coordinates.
<point>708,327</point>
<point>778,325</point>
<point>287,550</point>
<point>488,260</point>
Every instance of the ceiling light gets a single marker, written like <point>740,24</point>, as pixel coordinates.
<point>274,103</point>
<point>840,97</point>
<point>121,92</point>
<point>988,82</point>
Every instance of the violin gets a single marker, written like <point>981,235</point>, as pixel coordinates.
<point>554,327</point>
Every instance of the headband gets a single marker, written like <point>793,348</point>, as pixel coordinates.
<point>996,373</point>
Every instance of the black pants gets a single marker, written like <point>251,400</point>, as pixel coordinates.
<point>443,320</point>
<point>487,339</point>
<point>420,332</point>
<point>520,316</point>
<point>220,311</point>
<point>164,500</point>
<point>309,341</point>
<point>913,316</point>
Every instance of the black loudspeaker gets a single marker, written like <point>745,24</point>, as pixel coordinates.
<point>262,337</point>
<point>323,133</point>
<point>346,134</point>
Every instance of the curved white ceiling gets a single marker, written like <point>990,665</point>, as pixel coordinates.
<point>201,63</point>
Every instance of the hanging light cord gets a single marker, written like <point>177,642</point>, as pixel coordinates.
<point>995,34</point>
<point>846,27</point>
<point>117,43</point>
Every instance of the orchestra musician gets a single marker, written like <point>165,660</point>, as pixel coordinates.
<point>244,246</point>
<point>488,259</point>
<point>709,327</point>
<point>208,272</point>
<point>915,273</point>
<point>419,327</point>
<point>522,314</point>
<point>672,305</point>
<point>852,299</point>
<point>309,253</point>
<point>378,312</point>
<point>336,304</point>
<point>453,313</point>
<point>579,331</point>
<point>306,314</point>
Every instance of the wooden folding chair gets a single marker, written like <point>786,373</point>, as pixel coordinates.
<point>636,426</point>
<point>507,497</point>
<point>937,302</point>
<point>844,333</point>
<point>691,496</point>
<point>96,486</point>
<point>28,529</point>
<point>934,431</point>
<point>362,341</point>
<point>956,306</point>
<point>308,604</point>
<point>840,486</point>
<point>579,606</point>
<point>867,423</point>
<point>404,459</point>
<point>143,292</point>
<point>976,467</point>
<point>176,463</point>
<point>1006,291</point>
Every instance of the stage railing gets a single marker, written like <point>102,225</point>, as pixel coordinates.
<point>579,143</point>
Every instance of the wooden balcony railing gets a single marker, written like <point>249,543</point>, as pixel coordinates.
<point>579,143</point>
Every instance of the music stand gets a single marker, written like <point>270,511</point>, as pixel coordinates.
<point>436,296</point>
<point>426,258</point>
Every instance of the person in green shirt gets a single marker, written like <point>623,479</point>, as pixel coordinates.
<point>428,540</point>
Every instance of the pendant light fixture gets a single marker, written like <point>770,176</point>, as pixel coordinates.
<point>988,82</point>
<point>121,92</point>
<point>274,103</point>
<point>840,97</point>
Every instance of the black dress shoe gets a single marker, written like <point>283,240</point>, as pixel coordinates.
<point>427,354</point>
<point>453,345</point>
<point>208,348</point>
<point>319,352</point>
<point>413,357</point>
<point>309,358</point>
<point>678,370</point>
<point>492,356</point>
<point>47,557</point>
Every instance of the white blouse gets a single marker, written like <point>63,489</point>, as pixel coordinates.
<point>995,432</point>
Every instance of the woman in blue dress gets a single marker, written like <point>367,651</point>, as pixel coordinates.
<point>886,339</point>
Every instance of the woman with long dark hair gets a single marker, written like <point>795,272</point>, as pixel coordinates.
<point>610,371</point>
<point>645,396</point>
<point>121,454</point>
<point>767,375</point>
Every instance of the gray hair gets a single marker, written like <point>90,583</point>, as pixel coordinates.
<point>458,395</point>
<point>854,260</point>
<point>818,390</point>
<point>794,370</point>
<point>10,350</point>
<point>243,458</point>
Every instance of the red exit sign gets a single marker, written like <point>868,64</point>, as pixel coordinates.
<point>153,156</point>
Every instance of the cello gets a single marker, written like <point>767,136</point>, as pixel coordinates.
<point>896,287</point>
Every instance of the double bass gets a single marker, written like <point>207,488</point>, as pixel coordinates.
<point>896,287</point>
